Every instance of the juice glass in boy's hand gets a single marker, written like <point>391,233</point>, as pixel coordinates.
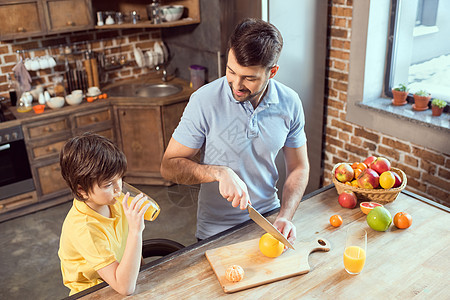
<point>355,250</point>
<point>152,212</point>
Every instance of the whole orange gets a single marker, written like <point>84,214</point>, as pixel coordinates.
<point>402,220</point>
<point>336,220</point>
<point>270,246</point>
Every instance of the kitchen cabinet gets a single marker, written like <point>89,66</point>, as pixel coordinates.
<point>68,15</point>
<point>144,133</point>
<point>45,139</point>
<point>26,18</point>
<point>21,19</point>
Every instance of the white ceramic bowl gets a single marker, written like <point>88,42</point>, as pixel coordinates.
<point>56,102</point>
<point>74,99</point>
<point>172,12</point>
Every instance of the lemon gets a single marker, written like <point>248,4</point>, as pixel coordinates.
<point>387,180</point>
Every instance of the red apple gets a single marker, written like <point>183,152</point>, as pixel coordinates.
<point>398,180</point>
<point>344,172</point>
<point>347,199</point>
<point>368,179</point>
<point>380,165</point>
<point>369,160</point>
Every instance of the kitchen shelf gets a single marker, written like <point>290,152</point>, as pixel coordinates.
<point>148,24</point>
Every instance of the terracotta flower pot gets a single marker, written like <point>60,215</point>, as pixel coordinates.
<point>421,102</point>
<point>399,97</point>
<point>436,111</point>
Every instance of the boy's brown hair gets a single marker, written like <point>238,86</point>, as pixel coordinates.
<point>89,159</point>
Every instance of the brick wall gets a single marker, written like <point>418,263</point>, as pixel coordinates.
<point>116,42</point>
<point>428,171</point>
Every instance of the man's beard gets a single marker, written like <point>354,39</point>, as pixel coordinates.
<point>251,97</point>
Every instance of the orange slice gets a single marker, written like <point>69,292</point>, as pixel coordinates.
<point>366,207</point>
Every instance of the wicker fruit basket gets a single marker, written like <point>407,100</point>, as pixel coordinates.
<point>381,196</point>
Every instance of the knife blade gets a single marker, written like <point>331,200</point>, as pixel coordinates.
<point>267,226</point>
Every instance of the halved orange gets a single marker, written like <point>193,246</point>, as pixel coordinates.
<point>366,207</point>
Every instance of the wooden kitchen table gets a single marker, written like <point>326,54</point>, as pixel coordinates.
<point>400,263</point>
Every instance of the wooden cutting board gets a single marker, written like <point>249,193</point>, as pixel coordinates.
<point>259,269</point>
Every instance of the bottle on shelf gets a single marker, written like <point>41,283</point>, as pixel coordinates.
<point>12,90</point>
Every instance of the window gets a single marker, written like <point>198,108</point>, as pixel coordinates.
<point>419,47</point>
<point>368,103</point>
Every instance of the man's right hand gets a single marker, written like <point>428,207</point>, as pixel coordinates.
<point>232,188</point>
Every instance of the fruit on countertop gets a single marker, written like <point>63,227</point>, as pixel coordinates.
<point>344,172</point>
<point>379,218</point>
<point>366,207</point>
<point>368,179</point>
<point>387,180</point>
<point>380,165</point>
<point>347,199</point>
<point>402,220</point>
<point>270,246</point>
<point>336,220</point>
<point>234,273</point>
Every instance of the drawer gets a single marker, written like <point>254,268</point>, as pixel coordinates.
<point>18,201</point>
<point>46,129</point>
<point>49,149</point>
<point>50,179</point>
<point>99,116</point>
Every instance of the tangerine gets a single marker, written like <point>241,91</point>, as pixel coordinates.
<point>234,273</point>
<point>402,220</point>
<point>387,180</point>
<point>357,172</point>
<point>361,166</point>
<point>336,220</point>
<point>270,246</point>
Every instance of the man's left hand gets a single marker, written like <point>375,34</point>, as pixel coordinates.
<point>287,228</point>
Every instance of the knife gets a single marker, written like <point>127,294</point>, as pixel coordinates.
<point>267,226</point>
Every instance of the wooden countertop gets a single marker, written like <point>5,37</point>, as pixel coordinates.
<point>181,96</point>
<point>400,263</point>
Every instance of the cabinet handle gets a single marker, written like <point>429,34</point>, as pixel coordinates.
<point>2,206</point>
<point>51,149</point>
<point>94,119</point>
<point>48,129</point>
<point>70,23</point>
<point>56,169</point>
<point>124,113</point>
<point>20,29</point>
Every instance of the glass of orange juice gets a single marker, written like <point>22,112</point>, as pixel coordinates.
<point>355,250</point>
<point>152,212</point>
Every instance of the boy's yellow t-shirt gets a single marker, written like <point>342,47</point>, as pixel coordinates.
<point>89,242</point>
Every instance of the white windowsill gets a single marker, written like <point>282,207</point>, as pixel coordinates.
<point>406,112</point>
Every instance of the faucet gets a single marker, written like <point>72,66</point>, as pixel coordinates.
<point>164,71</point>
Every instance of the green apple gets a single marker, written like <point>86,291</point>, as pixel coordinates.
<point>379,218</point>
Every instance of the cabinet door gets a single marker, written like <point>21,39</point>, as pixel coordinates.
<point>21,19</point>
<point>49,179</point>
<point>141,138</point>
<point>68,15</point>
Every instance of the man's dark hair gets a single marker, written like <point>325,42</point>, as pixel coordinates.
<point>89,159</point>
<point>256,43</point>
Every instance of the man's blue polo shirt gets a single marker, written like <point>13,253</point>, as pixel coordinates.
<point>247,140</point>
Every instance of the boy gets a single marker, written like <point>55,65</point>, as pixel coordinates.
<point>101,238</point>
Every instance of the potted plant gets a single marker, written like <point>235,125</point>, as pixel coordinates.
<point>421,100</point>
<point>400,93</point>
<point>437,107</point>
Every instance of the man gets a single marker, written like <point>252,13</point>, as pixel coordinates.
<point>242,121</point>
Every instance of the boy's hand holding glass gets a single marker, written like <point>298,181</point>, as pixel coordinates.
<point>153,210</point>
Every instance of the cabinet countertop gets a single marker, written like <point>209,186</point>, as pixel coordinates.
<point>400,263</point>
<point>48,113</point>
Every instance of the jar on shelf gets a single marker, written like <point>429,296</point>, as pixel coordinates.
<point>58,86</point>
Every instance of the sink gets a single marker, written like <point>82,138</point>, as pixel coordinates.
<point>144,90</point>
